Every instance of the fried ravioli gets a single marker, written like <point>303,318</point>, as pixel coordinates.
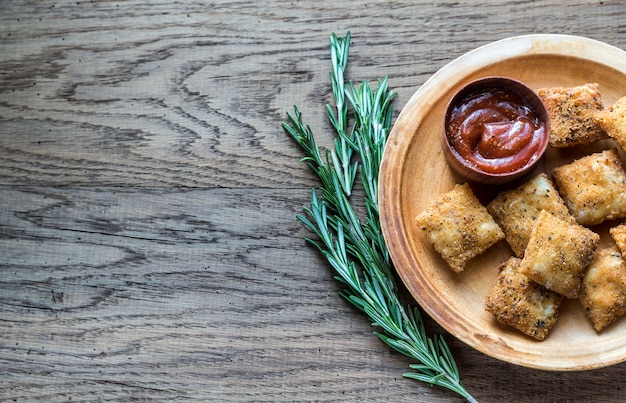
<point>459,227</point>
<point>603,292</point>
<point>558,252</point>
<point>572,111</point>
<point>517,301</point>
<point>613,121</point>
<point>619,236</point>
<point>593,187</point>
<point>516,210</point>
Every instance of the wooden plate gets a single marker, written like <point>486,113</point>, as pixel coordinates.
<point>414,172</point>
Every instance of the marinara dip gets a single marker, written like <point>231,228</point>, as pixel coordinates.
<point>495,130</point>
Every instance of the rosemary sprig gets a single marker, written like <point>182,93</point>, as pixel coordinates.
<point>356,249</point>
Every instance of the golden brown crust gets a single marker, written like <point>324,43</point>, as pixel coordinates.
<point>593,187</point>
<point>459,227</point>
<point>558,253</point>
<point>516,301</point>
<point>516,210</point>
<point>603,292</point>
<point>572,111</point>
<point>613,121</point>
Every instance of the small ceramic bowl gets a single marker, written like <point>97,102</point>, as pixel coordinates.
<point>497,171</point>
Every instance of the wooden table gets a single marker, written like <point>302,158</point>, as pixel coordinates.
<point>149,247</point>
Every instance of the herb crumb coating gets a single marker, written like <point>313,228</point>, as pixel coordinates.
<point>603,292</point>
<point>517,301</point>
<point>459,227</point>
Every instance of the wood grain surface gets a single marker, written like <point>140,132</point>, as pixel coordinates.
<point>148,242</point>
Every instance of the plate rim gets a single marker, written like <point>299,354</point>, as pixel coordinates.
<point>389,196</point>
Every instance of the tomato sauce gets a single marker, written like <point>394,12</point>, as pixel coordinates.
<point>495,130</point>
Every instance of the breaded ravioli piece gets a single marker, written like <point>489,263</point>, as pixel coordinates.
<point>593,187</point>
<point>558,253</point>
<point>516,210</point>
<point>613,121</point>
<point>459,227</point>
<point>572,111</point>
<point>603,292</point>
<point>517,301</point>
<point>619,235</point>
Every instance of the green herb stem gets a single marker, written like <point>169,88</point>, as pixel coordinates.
<point>356,249</point>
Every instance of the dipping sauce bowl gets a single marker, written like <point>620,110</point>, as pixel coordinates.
<point>495,130</point>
